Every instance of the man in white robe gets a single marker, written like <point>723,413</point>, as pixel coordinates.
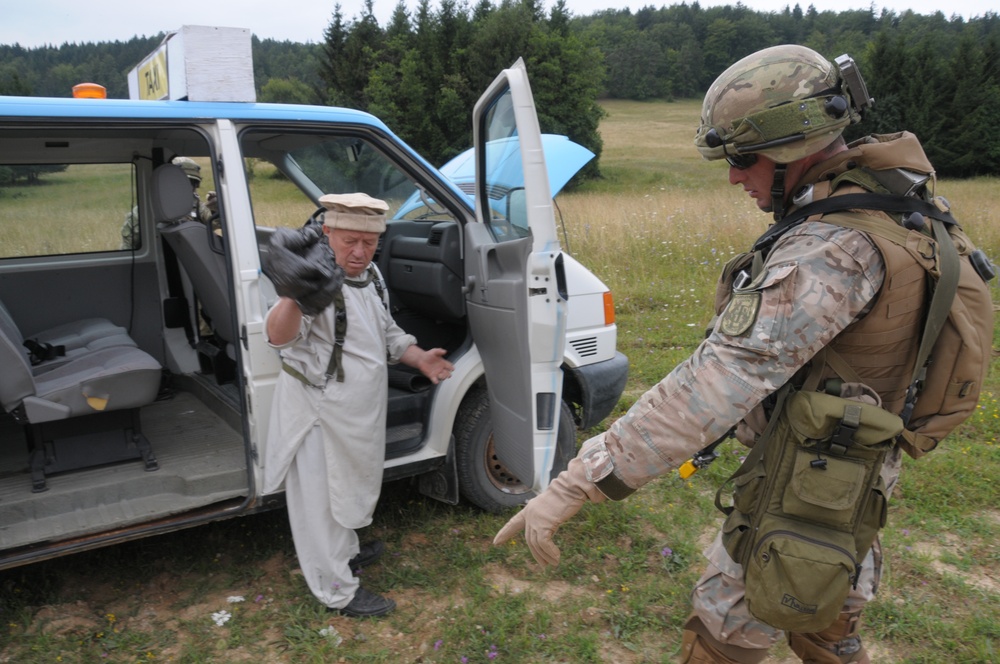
<point>327,431</point>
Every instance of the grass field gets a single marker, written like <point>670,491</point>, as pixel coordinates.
<point>657,228</point>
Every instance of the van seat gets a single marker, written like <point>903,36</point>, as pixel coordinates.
<point>201,255</point>
<point>81,413</point>
<point>67,341</point>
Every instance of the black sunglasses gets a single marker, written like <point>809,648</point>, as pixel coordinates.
<point>741,161</point>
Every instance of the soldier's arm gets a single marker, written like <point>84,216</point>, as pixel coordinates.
<point>816,281</point>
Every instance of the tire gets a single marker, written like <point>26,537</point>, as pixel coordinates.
<point>483,480</point>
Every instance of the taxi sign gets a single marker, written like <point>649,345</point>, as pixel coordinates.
<point>153,81</point>
<point>197,63</point>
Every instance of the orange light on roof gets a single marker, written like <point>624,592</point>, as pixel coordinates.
<point>89,91</point>
<point>609,308</point>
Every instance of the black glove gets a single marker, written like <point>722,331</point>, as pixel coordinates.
<point>301,265</point>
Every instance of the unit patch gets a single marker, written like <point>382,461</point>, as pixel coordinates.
<point>740,314</point>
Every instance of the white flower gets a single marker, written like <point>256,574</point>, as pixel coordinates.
<point>330,632</point>
<point>221,618</point>
<point>234,599</point>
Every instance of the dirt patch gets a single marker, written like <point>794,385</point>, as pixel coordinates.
<point>935,552</point>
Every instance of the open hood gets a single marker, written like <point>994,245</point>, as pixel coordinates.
<point>563,159</point>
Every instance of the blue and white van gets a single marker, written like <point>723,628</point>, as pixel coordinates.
<point>136,376</point>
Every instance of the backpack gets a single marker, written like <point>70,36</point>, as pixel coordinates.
<point>809,500</point>
<point>956,345</point>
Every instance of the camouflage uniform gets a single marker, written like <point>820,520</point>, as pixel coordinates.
<point>817,280</point>
<point>726,377</point>
<point>790,105</point>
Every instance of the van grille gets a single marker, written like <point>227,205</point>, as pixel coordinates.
<point>585,347</point>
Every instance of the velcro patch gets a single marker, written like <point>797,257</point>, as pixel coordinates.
<point>740,314</point>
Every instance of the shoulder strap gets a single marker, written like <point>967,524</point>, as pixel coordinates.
<point>866,201</point>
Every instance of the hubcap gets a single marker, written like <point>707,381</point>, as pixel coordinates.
<point>499,475</point>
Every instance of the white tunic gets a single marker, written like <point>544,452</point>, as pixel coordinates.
<point>350,415</point>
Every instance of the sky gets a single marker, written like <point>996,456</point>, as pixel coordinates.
<point>33,23</point>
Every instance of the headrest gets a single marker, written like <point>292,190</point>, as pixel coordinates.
<point>171,193</point>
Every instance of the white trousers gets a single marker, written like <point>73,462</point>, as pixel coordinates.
<point>324,547</point>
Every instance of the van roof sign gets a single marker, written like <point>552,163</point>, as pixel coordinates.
<point>197,63</point>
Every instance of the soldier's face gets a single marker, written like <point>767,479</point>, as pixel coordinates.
<point>756,181</point>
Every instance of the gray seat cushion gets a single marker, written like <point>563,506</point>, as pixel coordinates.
<point>106,379</point>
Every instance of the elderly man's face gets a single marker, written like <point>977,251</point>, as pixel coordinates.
<point>354,249</point>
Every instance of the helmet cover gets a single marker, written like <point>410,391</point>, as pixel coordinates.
<point>779,102</point>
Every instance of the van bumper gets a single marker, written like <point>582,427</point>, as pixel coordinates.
<point>596,388</point>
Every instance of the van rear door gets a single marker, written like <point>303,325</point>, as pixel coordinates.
<point>515,283</point>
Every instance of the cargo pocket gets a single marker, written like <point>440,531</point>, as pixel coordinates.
<point>824,488</point>
<point>797,582</point>
<point>872,519</point>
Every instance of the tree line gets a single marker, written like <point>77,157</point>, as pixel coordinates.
<point>422,72</point>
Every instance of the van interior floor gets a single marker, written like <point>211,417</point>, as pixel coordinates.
<point>201,457</point>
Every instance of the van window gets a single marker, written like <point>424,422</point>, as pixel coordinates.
<point>55,209</point>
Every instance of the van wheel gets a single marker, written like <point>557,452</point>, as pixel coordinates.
<point>483,479</point>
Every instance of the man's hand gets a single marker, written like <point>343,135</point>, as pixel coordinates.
<point>544,513</point>
<point>430,363</point>
<point>301,265</point>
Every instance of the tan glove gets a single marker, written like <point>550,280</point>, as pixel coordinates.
<point>544,513</point>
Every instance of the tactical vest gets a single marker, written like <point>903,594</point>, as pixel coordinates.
<point>882,348</point>
<point>809,499</point>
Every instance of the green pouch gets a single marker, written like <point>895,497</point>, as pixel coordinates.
<point>807,505</point>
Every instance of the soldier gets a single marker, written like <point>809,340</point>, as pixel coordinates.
<point>199,211</point>
<point>777,118</point>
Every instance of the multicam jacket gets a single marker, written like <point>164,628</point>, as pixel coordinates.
<point>818,280</point>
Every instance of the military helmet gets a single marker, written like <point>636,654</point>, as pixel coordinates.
<point>785,102</point>
<point>190,168</point>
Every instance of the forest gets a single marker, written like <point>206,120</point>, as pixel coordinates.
<point>936,76</point>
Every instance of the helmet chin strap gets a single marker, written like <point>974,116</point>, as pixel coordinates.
<point>778,191</point>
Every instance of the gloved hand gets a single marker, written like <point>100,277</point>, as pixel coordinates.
<point>301,265</point>
<point>544,513</point>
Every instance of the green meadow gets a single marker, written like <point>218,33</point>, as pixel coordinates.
<point>657,228</point>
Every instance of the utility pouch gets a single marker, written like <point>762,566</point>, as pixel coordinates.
<point>807,505</point>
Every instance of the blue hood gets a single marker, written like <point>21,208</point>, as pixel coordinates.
<point>563,160</point>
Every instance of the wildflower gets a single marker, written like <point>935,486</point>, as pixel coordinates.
<point>330,632</point>
<point>235,599</point>
<point>667,552</point>
<point>258,598</point>
<point>464,660</point>
<point>438,644</point>
<point>111,618</point>
<point>221,618</point>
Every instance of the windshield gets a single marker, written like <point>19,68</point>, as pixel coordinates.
<point>296,168</point>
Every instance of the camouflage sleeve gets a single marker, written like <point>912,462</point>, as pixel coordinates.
<point>816,281</point>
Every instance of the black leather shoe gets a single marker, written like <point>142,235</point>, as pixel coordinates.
<point>367,605</point>
<point>370,553</point>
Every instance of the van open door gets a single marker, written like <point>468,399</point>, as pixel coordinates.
<point>515,281</point>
